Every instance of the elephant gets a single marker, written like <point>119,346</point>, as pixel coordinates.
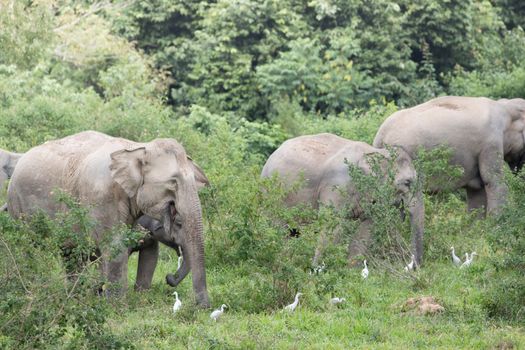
<point>8,162</point>
<point>480,132</point>
<point>118,180</point>
<point>149,252</point>
<point>322,161</point>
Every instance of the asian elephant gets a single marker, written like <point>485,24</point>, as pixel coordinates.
<point>321,160</point>
<point>8,162</point>
<point>482,133</point>
<point>149,253</point>
<point>119,181</point>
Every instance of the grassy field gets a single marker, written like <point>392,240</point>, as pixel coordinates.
<point>373,317</point>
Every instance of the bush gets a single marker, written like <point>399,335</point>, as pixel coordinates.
<point>505,297</point>
<point>45,303</point>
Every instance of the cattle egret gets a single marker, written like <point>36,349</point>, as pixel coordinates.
<point>411,265</point>
<point>336,300</point>
<point>178,303</point>
<point>217,313</point>
<point>364,272</point>
<point>320,268</point>
<point>468,261</point>
<point>455,259</point>
<point>293,305</point>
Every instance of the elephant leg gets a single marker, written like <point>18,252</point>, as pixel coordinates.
<point>148,257</point>
<point>116,271</point>
<point>319,250</point>
<point>477,200</point>
<point>491,171</point>
<point>360,242</point>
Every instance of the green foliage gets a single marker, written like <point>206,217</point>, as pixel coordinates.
<point>24,42</point>
<point>436,170</point>
<point>43,305</point>
<point>377,194</point>
<point>506,297</point>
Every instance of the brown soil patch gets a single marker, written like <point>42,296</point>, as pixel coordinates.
<point>422,306</point>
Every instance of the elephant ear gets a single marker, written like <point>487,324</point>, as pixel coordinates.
<point>200,178</point>
<point>126,169</point>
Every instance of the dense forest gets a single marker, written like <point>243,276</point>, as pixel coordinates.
<point>231,80</point>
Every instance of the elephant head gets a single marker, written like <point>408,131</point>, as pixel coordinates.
<point>514,135</point>
<point>409,195</point>
<point>405,181</point>
<point>162,182</point>
<point>8,162</point>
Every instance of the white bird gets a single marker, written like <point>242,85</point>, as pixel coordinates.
<point>217,313</point>
<point>364,272</point>
<point>468,261</point>
<point>411,265</point>
<point>320,268</point>
<point>179,260</point>
<point>293,305</point>
<point>336,300</point>
<point>455,259</point>
<point>178,303</point>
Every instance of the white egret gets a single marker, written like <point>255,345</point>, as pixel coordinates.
<point>455,259</point>
<point>468,261</point>
<point>336,300</point>
<point>217,313</point>
<point>364,272</point>
<point>320,268</point>
<point>178,303</point>
<point>293,305</point>
<point>411,265</point>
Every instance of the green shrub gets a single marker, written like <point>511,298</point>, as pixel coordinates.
<point>45,303</point>
<point>505,297</point>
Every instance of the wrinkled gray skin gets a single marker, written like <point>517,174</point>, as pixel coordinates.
<point>149,253</point>
<point>119,181</point>
<point>8,162</point>
<point>320,160</point>
<point>481,133</point>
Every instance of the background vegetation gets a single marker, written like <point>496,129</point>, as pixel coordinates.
<point>231,80</point>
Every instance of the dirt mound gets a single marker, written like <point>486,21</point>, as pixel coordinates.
<point>422,306</point>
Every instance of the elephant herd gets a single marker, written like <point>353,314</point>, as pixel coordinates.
<point>156,184</point>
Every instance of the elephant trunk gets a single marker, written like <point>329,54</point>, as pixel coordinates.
<point>182,272</point>
<point>192,246</point>
<point>196,257</point>
<point>416,208</point>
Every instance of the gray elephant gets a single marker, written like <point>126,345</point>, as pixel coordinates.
<point>8,162</point>
<point>321,161</point>
<point>482,134</point>
<point>149,253</point>
<point>119,181</point>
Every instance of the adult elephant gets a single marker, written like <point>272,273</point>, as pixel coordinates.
<point>322,161</point>
<point>8,162</point>
<point>482,134</point>
<point>149,253</point>
<point>118,180</point>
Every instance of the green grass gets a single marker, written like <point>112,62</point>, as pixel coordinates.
<point>371,318</point>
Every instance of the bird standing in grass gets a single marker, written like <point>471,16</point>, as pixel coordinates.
<point>455,259</point>
<point>468,261</point>
<point>217,313</point>
<point>178,303</point>
<point>293,305</point>
<point>336,300</point>
<point>411,266</point>
<point>364,272</point>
